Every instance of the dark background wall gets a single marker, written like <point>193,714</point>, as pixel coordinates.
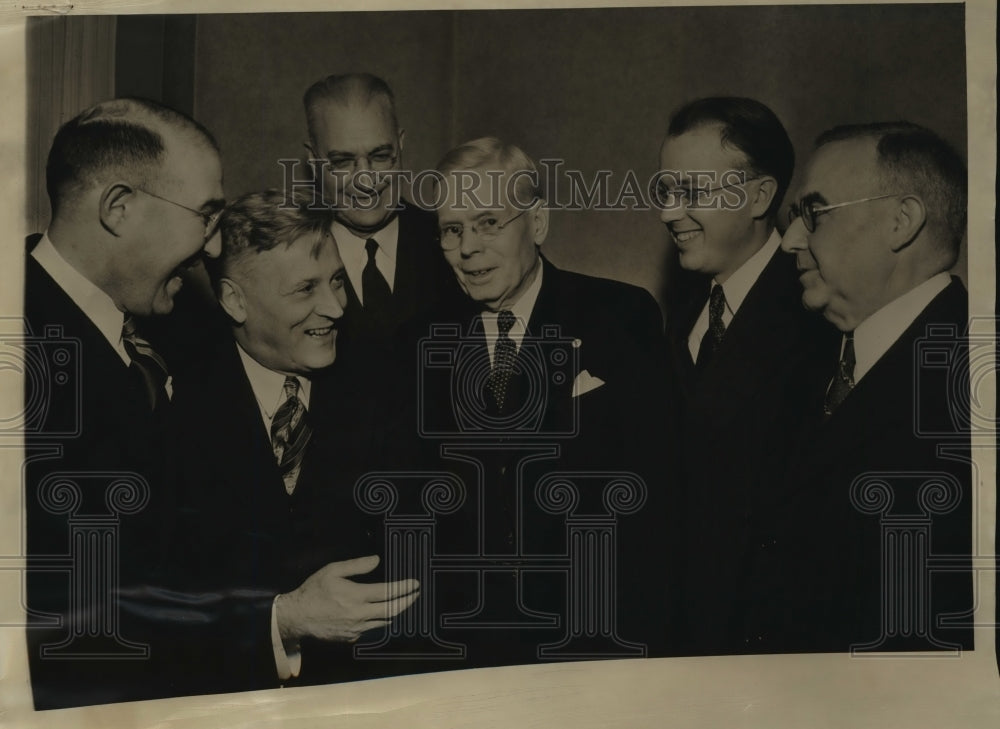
<point>593,87</point>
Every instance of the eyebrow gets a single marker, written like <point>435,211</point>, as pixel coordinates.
<point>213,206</point>
<point>343,153</point>
<point>812,197</point>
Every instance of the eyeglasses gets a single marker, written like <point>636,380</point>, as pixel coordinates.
<point>487,228</point>
<point>692,197</point>
<point>809,211</point>
<point>211,220</point>
<point>378,160</point>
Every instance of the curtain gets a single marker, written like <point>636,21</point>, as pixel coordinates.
<point>71,66</point>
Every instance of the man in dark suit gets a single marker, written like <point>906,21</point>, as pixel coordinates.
<point>742,348</point>
<point>541,390</point>
<point>136,189</point>
<point>389,249</point>
<point>268,538</point>
<point>873,549</point>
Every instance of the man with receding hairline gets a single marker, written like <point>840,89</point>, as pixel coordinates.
<point>880,487</point>
<point>387,244</point>
<point>136,191</point>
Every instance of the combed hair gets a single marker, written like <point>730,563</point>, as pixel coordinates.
<point>490,153</point>
<point>346,89</point>
<point>260,221</point>
<point>912,159</point>
<point>116,138</point>
<point>750,128</point>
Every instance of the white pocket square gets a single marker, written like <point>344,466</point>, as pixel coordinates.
<point>585,382</point>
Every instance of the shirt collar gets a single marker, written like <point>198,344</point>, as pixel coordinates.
<point>351,244</point>
<point>874,336</point>
<point>521,309</point>
<point>739,284</point>
<point>269,386</point>
<point>92,301</point>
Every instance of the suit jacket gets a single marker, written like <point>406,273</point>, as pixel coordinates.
<point>580,329</point>
<point>856,475</point>
<point>88,424</point>
<point>737,418</point>
<point>240,538</point>
<point>423,283</point>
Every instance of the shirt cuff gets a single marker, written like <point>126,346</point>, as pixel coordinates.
<point>287,657</point>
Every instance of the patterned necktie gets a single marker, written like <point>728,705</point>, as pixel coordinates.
<point>843,381</point>
<point>504,354</point>
<point>716,329</point>
<point>375,291</point>
<point>146,363</point>
<point>289,434</point>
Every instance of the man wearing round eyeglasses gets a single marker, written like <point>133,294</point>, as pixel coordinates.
<point>878,225</point>
<point>388,245</point>
<point>135,190</point>
<point>742,349</point>
<point>550,372</point>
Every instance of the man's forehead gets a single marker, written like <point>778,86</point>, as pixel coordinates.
<point>338,122</point>
<point>476,191</point>
<point>841,166</point>
<point>699,149</point>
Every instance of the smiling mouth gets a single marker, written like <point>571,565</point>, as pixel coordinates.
<point>478,273</point>
<point>320,332</point>
<point>685,235</point>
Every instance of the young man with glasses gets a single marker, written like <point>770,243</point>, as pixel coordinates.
<point>742,349</point>
<point>136,189</point>
<point>877,227</point>
<point>387,244</point>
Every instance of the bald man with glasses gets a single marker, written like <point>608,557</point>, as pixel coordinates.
<point>878,496</point>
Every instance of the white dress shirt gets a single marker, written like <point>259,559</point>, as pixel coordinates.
<point>521,309</point>
<point>269,390</point>
<point>93,302</point>
<point>874,336</point>
<point>735,289</point>
<point>355,257</point>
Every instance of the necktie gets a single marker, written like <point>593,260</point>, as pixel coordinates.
<point>716,329</point>
<point>148,366</point>
<point>289,434</point>
<point>843,381</point>
<point>504,354</point>
<point>375,291</point>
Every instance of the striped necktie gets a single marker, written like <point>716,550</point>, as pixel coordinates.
<point>843,381</point>
<point>146,363</point>
<point>290,432</point>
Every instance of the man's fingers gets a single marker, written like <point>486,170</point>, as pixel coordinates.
<point>382,591</point>
<point>384,611</point>
<point>350,567</point>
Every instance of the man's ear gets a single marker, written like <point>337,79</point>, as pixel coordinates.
<point>760,201</point>
<point>908,220</point>
<point>232,300</point>
<point>539,219</point>
<point>114,205</point>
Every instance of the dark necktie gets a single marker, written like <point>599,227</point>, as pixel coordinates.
<point>375,291</point>
<point>290,432</point>
<point>504,354</point>
<point>843,381</point>
<point>146,363</point>
<point>716,329</point>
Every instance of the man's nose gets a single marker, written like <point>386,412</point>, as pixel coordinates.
<point>332,302</point>
<point>796,237</point>
<point>213,246</point>
<point>673,209</point>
